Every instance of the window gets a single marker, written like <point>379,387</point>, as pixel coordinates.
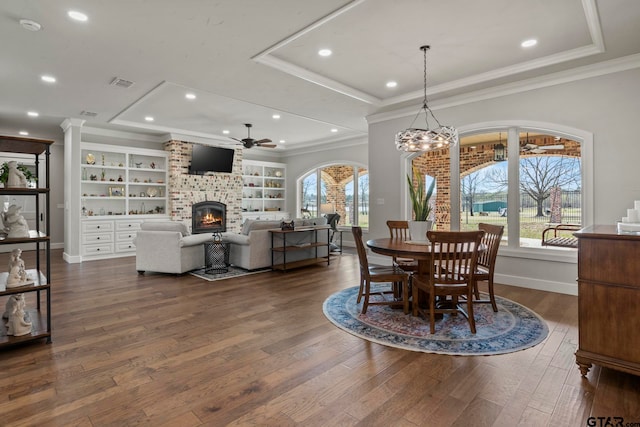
<point>547,182</point>
<point>342,189</point>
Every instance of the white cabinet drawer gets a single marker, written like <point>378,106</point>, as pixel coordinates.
<point>125,236</point>
<point>128,225</point>
<point>101,249</point>
<point>97,238</point>
<point>125,247</point>
<point>94,226</point>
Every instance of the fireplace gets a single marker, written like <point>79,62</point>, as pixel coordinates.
<point>208,217</point>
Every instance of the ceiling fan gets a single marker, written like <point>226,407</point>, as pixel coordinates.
<point>249,142</point>
<point>538,149</point>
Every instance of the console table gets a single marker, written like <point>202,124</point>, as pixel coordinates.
<point>302,244</point>
<point>608,299</point>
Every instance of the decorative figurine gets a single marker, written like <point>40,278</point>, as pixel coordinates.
<point>16,178</point>
<point>11,303</point>
<point>17,272</point>
<point>17,324</point>
<point>14,223</point>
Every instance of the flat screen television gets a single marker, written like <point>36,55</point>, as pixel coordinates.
<point>206,159</point>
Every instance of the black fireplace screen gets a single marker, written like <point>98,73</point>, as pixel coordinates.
<point>208,217</point>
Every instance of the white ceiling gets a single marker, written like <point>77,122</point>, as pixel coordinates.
<point>248,59</point>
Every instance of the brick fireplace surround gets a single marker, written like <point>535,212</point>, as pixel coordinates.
<point>185,190</point>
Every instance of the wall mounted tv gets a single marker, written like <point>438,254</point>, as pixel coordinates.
<point>206,159</point>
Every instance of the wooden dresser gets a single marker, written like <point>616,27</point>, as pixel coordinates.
<point>608,299</point>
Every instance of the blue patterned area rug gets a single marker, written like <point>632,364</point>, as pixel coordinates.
<point>233,272</point>
<point>513,328</point>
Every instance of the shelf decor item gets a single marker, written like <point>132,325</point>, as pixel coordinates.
<point>15,226</point>
<point>90,159</point>
<point>421,206</point>
<point>13,175</point>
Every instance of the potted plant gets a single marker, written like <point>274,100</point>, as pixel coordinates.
<point>421,206</point>
<point>14,169</point>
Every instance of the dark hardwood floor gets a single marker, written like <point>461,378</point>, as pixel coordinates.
<point>165,350</point>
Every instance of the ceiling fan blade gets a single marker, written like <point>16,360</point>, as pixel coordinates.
<point>529,146</point>
<point>235,139</point>
<point>262,140</point>
<point>267,145</point>
<point>553,147</point>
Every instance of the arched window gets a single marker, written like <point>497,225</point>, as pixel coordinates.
<point>338,188</point>
<point>527,177</point>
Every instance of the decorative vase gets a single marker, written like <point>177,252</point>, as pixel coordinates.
<point>418,230</point>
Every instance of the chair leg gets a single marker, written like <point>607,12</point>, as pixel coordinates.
<point>361,289</point>
<point>415,296</point>
<point>475,289</point>
<point>492,297</point>
<point>432,312</point>
<point>472,320</point>
<point>367,291</point>
<point>405,295</point>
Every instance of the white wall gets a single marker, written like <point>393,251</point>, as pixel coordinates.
<point>606,106</point>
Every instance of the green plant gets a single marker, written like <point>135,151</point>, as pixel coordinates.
<point>420,201</point>
<point>4,173</point>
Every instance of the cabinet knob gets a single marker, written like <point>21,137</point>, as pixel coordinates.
<point>97,238</point>
<point>98,249</point>
<point>98,226</point>
<point>129,225</point>
<point>129,235</point>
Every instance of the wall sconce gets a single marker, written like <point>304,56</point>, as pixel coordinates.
<point>499,151</point>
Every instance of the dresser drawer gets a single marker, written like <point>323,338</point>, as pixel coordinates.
<point>100,249</point>
<point>125,247</point>
<point>94,226</point>
<point>125,236</point>
<point>97,238</point>
<point>128,225</point>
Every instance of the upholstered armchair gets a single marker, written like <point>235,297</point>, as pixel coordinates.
<point>168,247</point>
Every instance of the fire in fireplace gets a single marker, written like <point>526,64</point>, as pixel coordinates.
<point>208,217</point>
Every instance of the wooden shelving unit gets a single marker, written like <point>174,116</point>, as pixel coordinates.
<point>39,316</point>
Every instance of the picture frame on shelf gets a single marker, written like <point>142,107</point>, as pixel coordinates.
<point>116,191</point>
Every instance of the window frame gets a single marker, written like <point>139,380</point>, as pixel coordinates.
<point>317,170</point>
<point>513,128</point>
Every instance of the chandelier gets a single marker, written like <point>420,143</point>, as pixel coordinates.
<point>427,139</point>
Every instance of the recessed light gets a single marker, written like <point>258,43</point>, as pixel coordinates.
<point>529,43</point>
<point>23,133</point>
<point>48,79</point>
<point>190,96</point>
<point>325,52</point>
<point>226,132</point>
<point>282,141</point>
<point>149,118</point>
<point>276,116</point>
<point>77,16</point>
<point>334,130</point>
<point>33,114</point>
<point>392,84</point>
<point>30,25</point>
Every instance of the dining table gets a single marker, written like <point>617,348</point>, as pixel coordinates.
<point>418,250</point>
<point>402,248</point>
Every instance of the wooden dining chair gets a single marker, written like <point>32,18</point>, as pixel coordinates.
<point>452,252</point>
<point>399,229</point>
<point>379,274</point>
<point>487,262</point>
